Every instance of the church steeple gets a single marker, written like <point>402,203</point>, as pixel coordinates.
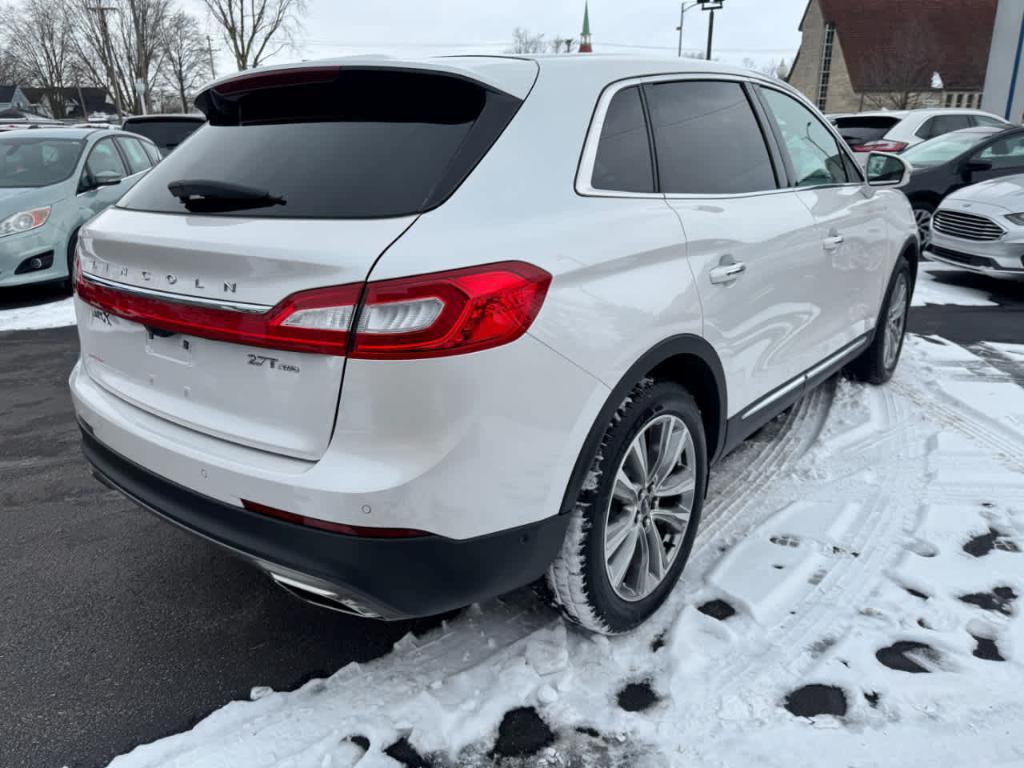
<point>585,46</point>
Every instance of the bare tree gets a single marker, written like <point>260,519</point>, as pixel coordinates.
<point>524,42</point>
<point>186,56</point>
<point>900,77</point>
<point>39,36</point>
<point>11,69</point>
<point>776,68</point>
<point>122,44</point>
<point>255,30</point>
<point>559,43</point>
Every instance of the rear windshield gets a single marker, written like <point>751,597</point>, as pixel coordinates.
<point>860,130</point>
<point>166,134</point>
<point>28,162</point>
<point>943,149</point>
<point>366,144</point>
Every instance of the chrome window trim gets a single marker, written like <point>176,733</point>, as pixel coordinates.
<point>585,172</point>
<point>177,298</point>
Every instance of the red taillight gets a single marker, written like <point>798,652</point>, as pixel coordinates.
<point>881,145</point>
<point>445,313</point>
<point>267,329</point>
<point>478,308</point>
<point>327,525</point>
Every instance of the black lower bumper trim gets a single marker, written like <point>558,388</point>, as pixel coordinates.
<point>395,578</point>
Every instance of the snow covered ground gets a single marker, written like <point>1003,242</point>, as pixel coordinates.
<point>852,599</point>
<point>931,291</point>
<point>52,314</point>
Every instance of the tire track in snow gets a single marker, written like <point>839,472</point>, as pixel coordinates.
<point>945,409</point>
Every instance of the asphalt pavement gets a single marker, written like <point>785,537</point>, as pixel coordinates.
<point>117,629</point>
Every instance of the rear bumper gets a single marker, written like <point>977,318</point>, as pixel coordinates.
<point>388,578</point>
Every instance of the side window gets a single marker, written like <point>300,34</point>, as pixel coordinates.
<point>138,160</point>
<point>1005,154</point>
<point>105,161</point>
<point>708,140</point>
<point>814,152</point>
<point>988,122</point>
<point>943,124</point>
<point>623,162</point>
<point>153,151</point>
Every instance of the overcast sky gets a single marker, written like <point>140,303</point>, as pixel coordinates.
<point>764,30</point>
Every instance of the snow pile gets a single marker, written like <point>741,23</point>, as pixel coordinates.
<point>54,314</point>
<point>931,290</point>
<point>855,591</point>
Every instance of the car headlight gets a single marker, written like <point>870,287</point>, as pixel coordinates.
<point>1016,218</point>
<point>24,221</point>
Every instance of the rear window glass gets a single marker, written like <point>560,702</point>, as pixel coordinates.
<point>26,162</point>
<point>623,161</point>
<point>861,130</point>
<point>366,144</point>
<point>166,134</point>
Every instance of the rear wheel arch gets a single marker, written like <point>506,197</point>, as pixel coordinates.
<point>686,359</point>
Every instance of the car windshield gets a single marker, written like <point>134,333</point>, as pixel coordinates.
<point>34,162</point>
<point>943,148</point>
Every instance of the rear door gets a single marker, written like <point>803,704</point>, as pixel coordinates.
<point>752,245</point>
<point>184,293</point>
<point>851,248</point>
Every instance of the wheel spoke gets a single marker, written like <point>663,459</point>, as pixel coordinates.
<point>670,447</point>
<point>676,522</point>
<point>625,490</point>
<point>643,566</point>
<point>619,562</point>
<point>656,551</point>
<point>637,456</point>
<point>616,534</point>
<point>683,481</point>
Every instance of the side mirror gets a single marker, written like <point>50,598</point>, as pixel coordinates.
<point>107,179</point>
<point>885,170</point>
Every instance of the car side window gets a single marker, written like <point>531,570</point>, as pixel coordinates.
<point>153,151</point>
<point>988,122</point>
<point>814,152</point>
<point>138,160</point>
<point>105,161</point>
<point>940,125</point>
<point>623,162</point>
<point>1005,153</point>
<point>707,139</point>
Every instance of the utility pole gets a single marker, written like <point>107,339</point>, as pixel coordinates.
<point>711,32</point>
<point>683,8</point>
<point>209,45</point>
<point>103,10</point>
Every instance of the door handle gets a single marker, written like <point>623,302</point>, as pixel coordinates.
<point>727,273</point>
<point>833,242</point>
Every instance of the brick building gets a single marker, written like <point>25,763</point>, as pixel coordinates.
<point>894,54</point>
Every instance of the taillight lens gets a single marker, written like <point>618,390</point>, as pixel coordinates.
<point>445,313</point>
<point>881,145</point>
<point>449,313</point>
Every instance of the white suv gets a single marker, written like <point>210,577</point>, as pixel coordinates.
<point>898,130</point>
<point>411,334</point>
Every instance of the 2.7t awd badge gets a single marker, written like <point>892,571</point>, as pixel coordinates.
<point>261,361</point>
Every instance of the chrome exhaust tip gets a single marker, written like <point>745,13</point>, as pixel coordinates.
<point>322,597</point>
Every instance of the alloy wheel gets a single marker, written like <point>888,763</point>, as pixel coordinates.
<point>924,225</point>
<point>650,507</point>
<point>895,322</point>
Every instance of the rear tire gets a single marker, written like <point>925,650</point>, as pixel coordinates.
<point>69,283</point>
<point>636,514</point>
<point>923,213</point>
<point>878,362</point>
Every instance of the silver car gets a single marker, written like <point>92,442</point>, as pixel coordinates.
<point>981,228</point>
<point>52,181</point>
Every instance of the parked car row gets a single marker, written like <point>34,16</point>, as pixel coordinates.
<point>53,179</point>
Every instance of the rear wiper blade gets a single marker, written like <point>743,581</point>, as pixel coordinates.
<point>209,193</point>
